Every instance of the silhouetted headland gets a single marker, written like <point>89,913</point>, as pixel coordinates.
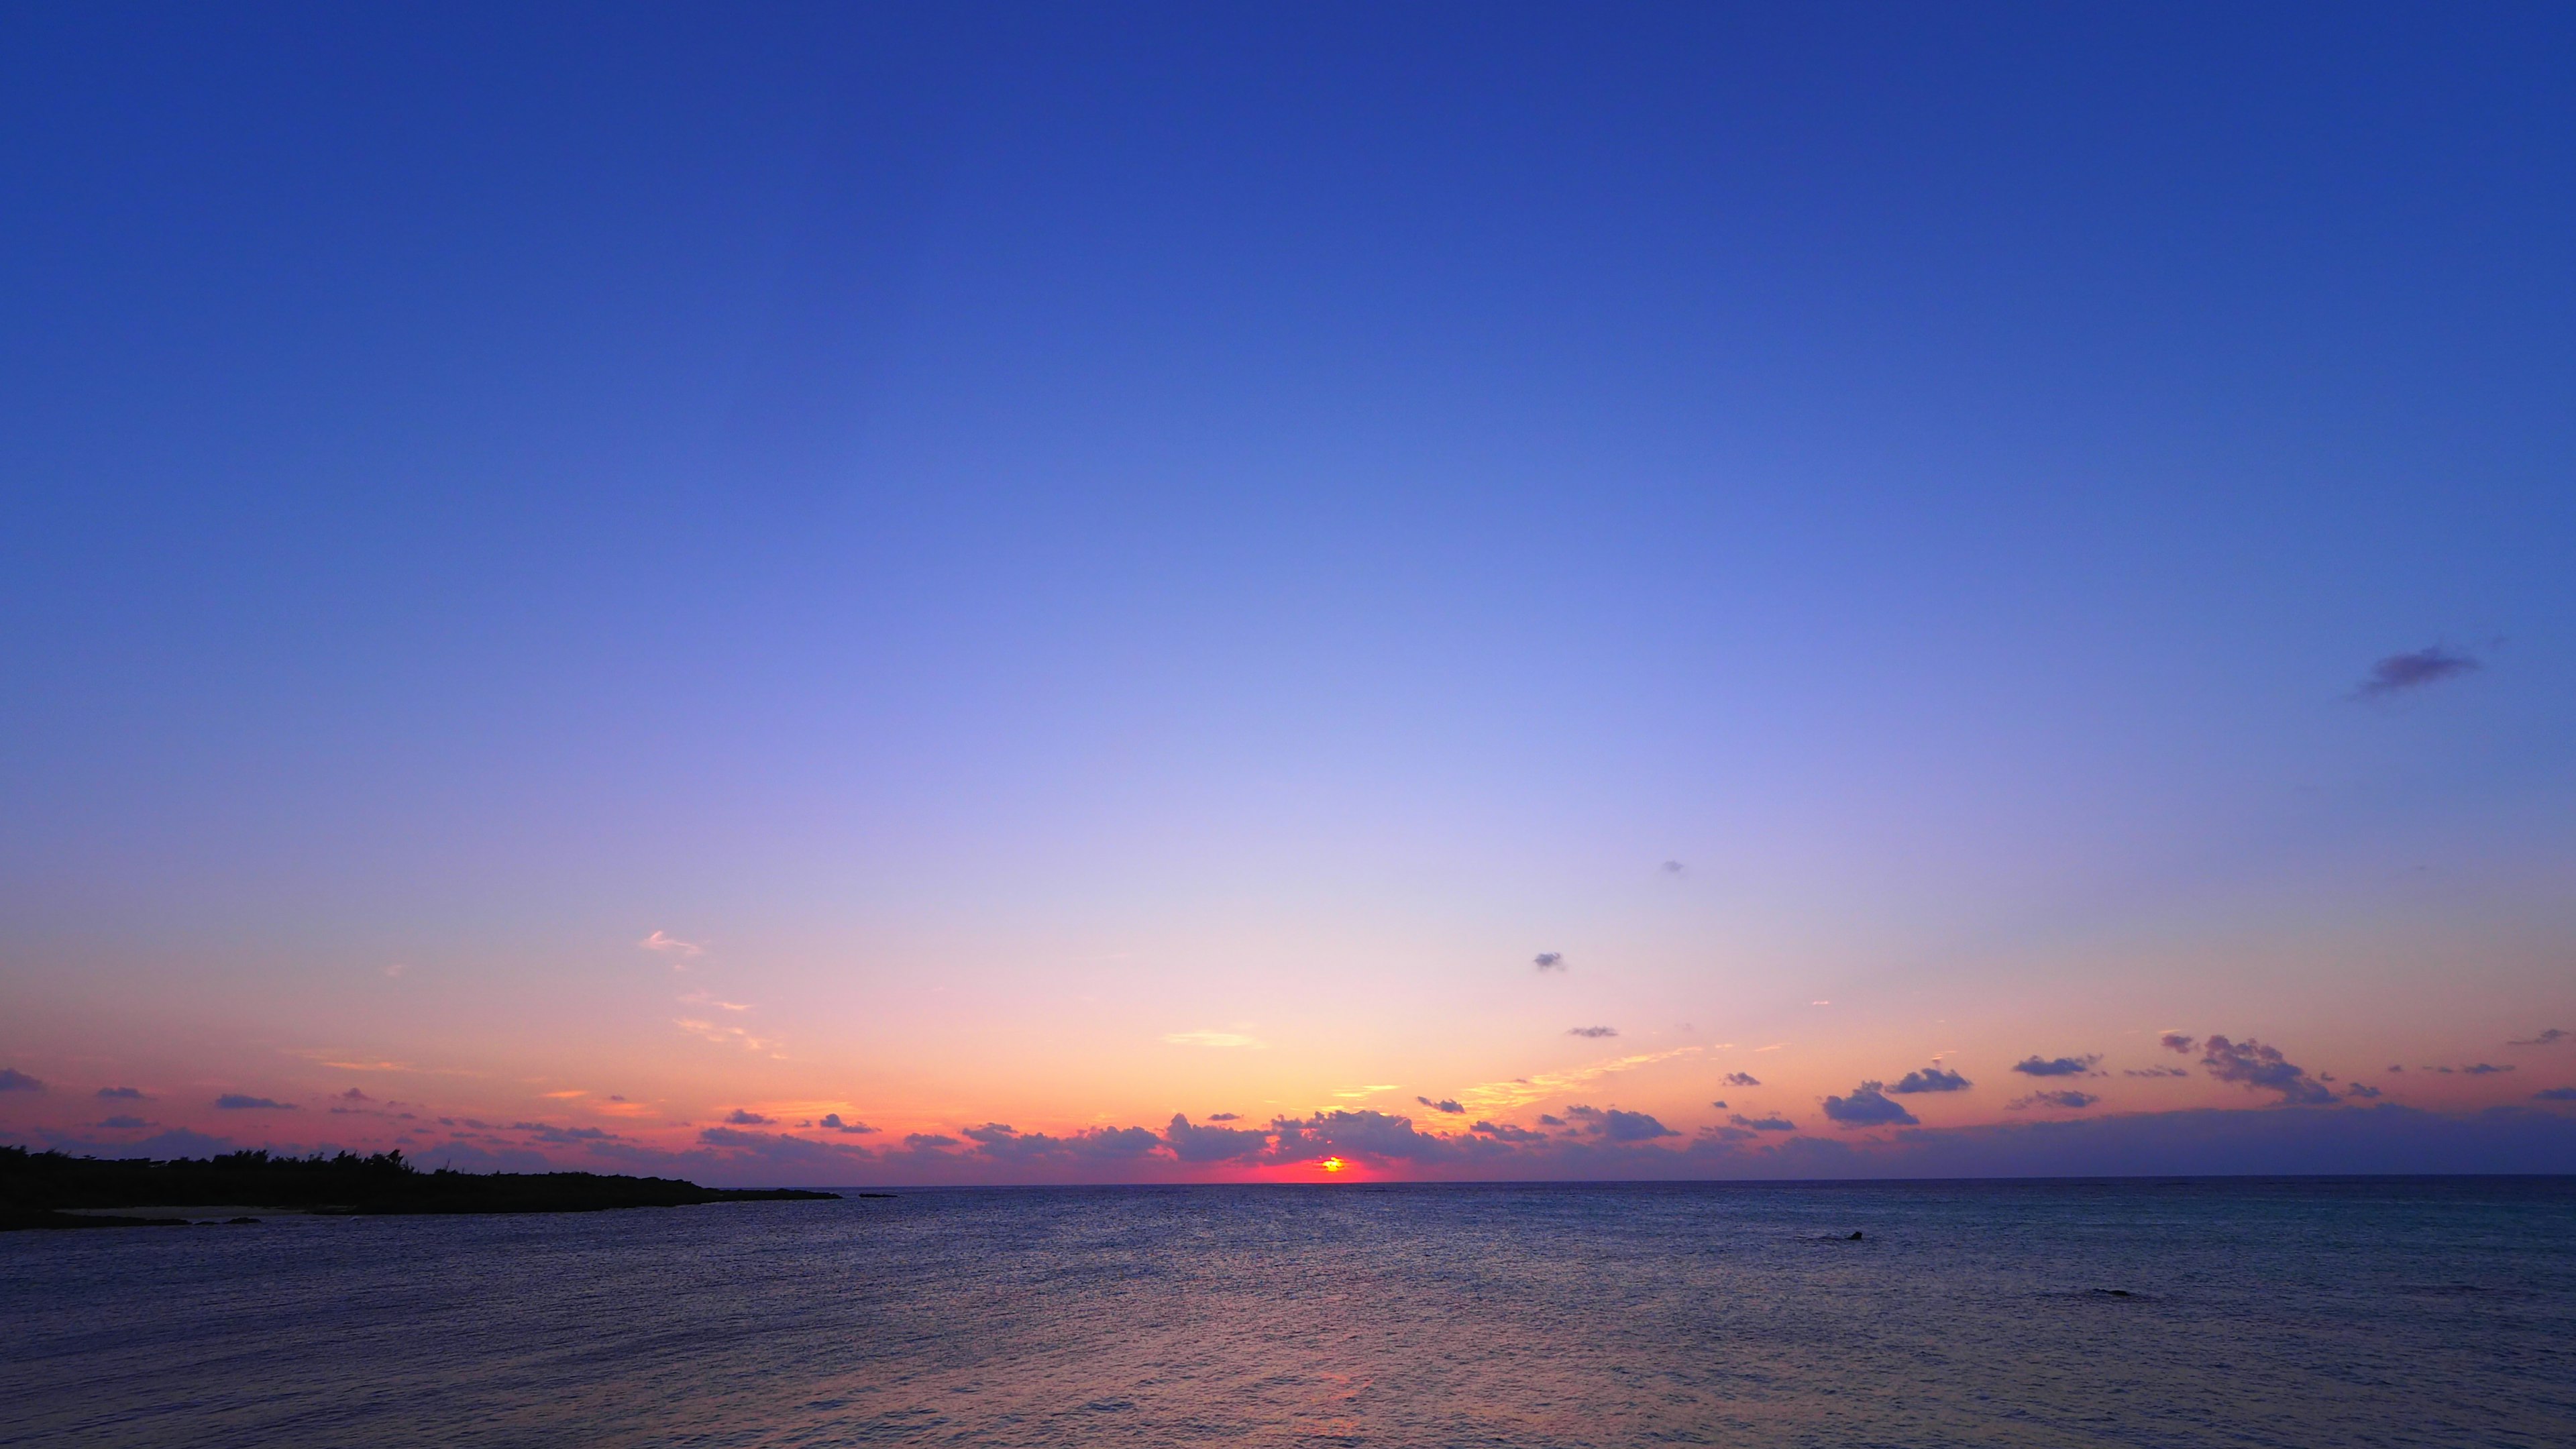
<point>50,1189</point>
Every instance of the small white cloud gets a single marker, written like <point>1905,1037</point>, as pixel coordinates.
<point>1209,1039</point>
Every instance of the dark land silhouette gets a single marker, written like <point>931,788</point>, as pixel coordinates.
<point>38,1189</point>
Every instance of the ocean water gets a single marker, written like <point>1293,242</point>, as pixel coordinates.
<point>2306,1313</point>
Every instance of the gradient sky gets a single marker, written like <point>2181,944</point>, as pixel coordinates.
<point>659,574</point>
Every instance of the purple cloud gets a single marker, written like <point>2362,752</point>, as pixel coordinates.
<point>2036,1066</point>
<point>13,1080</point>
<point>237,1102</point>
<point>1592,1031</point>
<point>1742,1079</point>
<point>2257,1067</point>
<point>1213,1144</point>
<point>2070,1099</point>
<point>2399,673</point>
<point>1868,1106</point>
<point>1930,1079</point>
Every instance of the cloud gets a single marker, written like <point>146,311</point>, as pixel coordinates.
<point>832,1120</point>
<point>1592,1031</point>
<point>708,998</point>
<point>2399,673</point>
<point>1763,1124</point>
<point>2261,1068</point>
<point>727,1036</point>
<point>2037,1066</point>
<point>2544,1039</point>
<point>997,1140</point>
<point>1619,1126</point>
<point>1549,960</point>
<point>1672,867</point>
<point>1742,1079</point>
<point>672,946</point>
<point>2555,1094</point>
<point>1225,1116</point>
<point>354,1095</point>
<point>13,1080</point>
<point>1366,1135</point>
<point>1930,1079</point>
<point>236,1102</point>
<point>1192,1143</point>
<point>122,1094</point>
<point>123,1123</point>
<point>2069,1099</point>
<point>1209,1039</point>
<point>2359,1089</point>
<point>1550,1119</point>
<point>927,1141</point>
<point>2155,1072</point>
<point>1868,1106</point>
<point>1442,1106</point>
<point>563,1136</point>
<point>1506,1132</point>
<point>2174,1041</point>
<point>2483,1069</point>
<point>745,1117</point>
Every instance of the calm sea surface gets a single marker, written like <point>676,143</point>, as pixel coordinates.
<point>2309,1313</point>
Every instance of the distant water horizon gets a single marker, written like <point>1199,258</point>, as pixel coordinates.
<point>2211,1311</point>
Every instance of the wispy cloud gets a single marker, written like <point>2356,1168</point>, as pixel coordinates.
<point>708,998</point>
<point>2546,1038</point>
<point>727,1036</point>
<point>2069,1099</point>
<point>1210,1039</point>
<point>745,1117</point>
<point>239,1102</point>
<point>1762,1124</point>
<point>1493,1099</point>
<point>2399,673</point>
<point>1441,1106</point>
<point>1594,1032</point>
<point>680,952</point>
<point>1742,1079</point>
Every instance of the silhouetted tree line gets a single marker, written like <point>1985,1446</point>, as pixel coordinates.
<point>36,1186</point>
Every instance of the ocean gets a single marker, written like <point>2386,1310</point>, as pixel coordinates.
<point>2150,1313</point>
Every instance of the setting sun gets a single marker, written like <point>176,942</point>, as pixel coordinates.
<point>1334,1164</point>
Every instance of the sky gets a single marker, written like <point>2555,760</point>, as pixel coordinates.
<point>851,594</point>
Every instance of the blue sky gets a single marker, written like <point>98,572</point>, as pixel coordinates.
<point>1024,535</point>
